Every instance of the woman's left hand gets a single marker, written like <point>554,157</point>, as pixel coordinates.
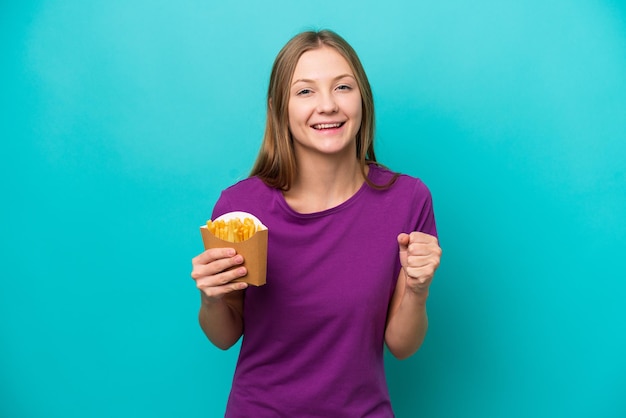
<point>420,255</point>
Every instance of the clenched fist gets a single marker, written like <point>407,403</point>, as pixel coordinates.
<point>420,255</point>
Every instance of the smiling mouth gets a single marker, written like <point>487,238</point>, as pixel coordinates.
<point>322,126</point>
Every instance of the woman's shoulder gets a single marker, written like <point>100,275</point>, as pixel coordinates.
<point>251,189</point>
<point>249,183</point>
<point>247,188</point>
<point>382,175</point>
<point>246,195</point>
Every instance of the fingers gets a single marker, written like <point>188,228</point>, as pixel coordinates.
<point>215,269</point>
<point>212,291</point>
<point>422,274</point>
<point>212,254</point>
<point>423,244</point>
<point>417,237</point>
<point>419,244</point>
<point>420,256</point>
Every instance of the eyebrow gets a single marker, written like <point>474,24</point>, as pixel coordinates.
<point>308,80</point>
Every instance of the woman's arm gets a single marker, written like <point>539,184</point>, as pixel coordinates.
<point>222,319</point>
<point>407,320</point>
<point>221,308</point>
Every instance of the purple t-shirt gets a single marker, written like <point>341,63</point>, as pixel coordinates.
<point>314,334</point>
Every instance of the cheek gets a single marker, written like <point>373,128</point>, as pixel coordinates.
<point>356,109</point>
<point>357,115</point>
<point>295,115</point>
<point>291,117</point>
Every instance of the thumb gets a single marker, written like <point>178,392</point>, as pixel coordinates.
<point>403,241</point>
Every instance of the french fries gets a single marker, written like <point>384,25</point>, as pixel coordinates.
<point>233,230</point>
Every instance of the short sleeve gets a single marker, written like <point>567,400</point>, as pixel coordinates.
<point>425,221</point>
<point>221,207</point>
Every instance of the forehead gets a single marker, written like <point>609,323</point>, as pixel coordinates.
<point>321,63</point>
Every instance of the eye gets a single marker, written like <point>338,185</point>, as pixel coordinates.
<point>303,92</point>
<point>344,87</point>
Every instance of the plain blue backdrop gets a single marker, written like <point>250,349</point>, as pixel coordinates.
<point>121,121</point>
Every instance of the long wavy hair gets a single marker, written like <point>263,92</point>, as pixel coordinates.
<point>276,163</point>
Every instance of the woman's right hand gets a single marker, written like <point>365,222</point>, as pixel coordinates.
<point>211,274</point>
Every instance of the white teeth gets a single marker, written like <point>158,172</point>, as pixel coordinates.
<point>327,125</point>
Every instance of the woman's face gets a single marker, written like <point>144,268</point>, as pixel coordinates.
<point>324,104</point>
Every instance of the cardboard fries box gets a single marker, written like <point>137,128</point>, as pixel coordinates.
<point>253,250</point>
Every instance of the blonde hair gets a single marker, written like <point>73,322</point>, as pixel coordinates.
<point>276,163</point>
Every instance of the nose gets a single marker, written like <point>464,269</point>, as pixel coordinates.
<point>326,103</point>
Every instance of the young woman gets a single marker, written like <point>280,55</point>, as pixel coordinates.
<point>352,249</point>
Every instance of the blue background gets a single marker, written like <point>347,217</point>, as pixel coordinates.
<point>122,120</point>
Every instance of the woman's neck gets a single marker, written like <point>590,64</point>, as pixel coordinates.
<point>323,184</point>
